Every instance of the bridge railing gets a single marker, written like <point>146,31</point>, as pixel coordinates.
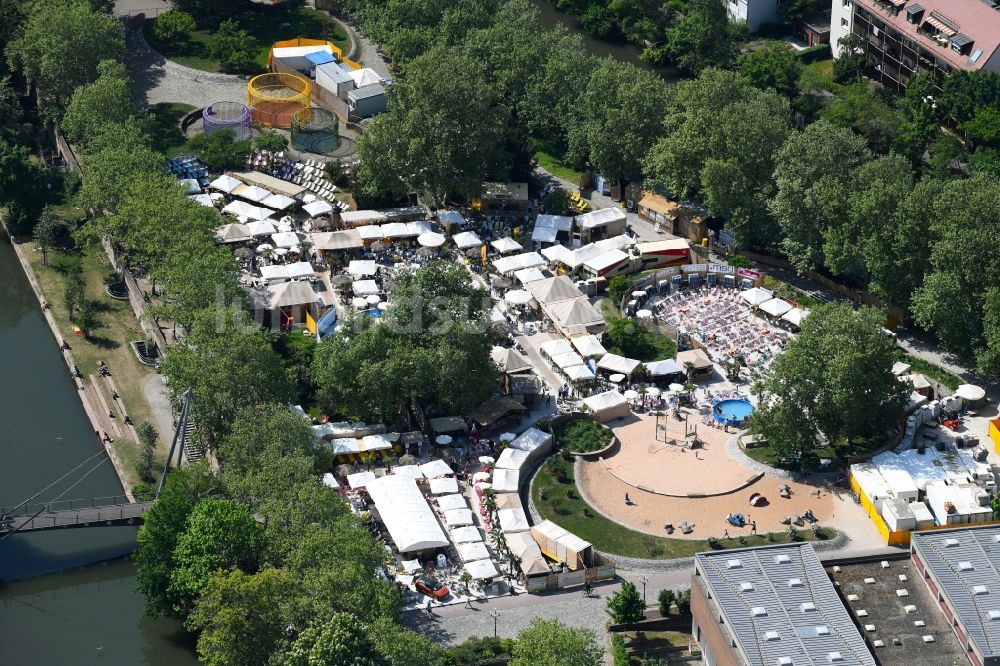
<point>66,505</point>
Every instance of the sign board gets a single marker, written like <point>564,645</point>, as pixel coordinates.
<point>694,268</point>
<point>720,269</point>
<point>747,273</point>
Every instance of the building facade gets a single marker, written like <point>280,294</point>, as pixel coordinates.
<point>903,38</point>
<point>755,13</point>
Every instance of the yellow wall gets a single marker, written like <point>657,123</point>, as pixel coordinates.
<point>995,434</point>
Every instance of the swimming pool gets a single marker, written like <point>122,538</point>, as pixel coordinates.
<point>733,412</point>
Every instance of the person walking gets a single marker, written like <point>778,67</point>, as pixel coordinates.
<point>753,527</point>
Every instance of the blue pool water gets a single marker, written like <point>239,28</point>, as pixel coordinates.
<point>732,412</point>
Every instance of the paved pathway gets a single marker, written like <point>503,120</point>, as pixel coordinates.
<point>158,80</point>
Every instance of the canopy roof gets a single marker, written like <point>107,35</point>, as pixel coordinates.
<point>225,183</point>
<point>531,439</point>
<point>285,239</point>
<point>513,520</point>
<point>299,269</point>
<point>261,228</point>
<point>527,275</point>
<point>518,262</point>
<point>554,289</point>
<point>271,183</point>
<point>466,535</point>
<point>358,217</point>
<point>575,314</point>
<point>605,260</point>
<point>505,245</point>
<point>251,193</point>
<point>555,347</point>
<point>557,222</point>
<point>506,480</point>
<point>249,211</point>
<point>232,233</point>
<point>435,468</point>
<point>365,287</point>
<point>544,235</point>
<point>588,345</point>
<point>567,360</point>
<point>757,295</point>
<point>795,316</point>
<point>600,402</point>
<point>470,552</point>
<point>288,294</point>
<point>509,360</point>
<point>466,240</point>
<point>481,569</point>
<point>600,218</point>
<point>337,240</point>
<point>450,502</point>
<point>406,514</point>
<point>776,307</point>
<point>345,446</point>
<point>376,442</point>
<point>317,208</point>
<point>443,486</point>
<point>359,479</point>
<point>619,364</point>
<point>696,357</point>
<point>450,217</point>
<point>362,267</point>
<point>511,458</point>
<point>458,518</point>
<point>579,373</point>
<point>666,367</point>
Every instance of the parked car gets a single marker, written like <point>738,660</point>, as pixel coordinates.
<point>431,587</point>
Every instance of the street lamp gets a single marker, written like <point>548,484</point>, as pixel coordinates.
<point>643,580</point>
<point>495,614</point>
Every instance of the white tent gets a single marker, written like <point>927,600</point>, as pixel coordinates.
<point>578,373</point>
<point>409,471</point>
<point>466,535</point>
<point>506,480</point>
<point>575,315</point>
<point>362,267</point>
<point>406,514</point>
<point>505,245</point>
<point>517,297</point>
<point>452,502</point>
<point>364,77</point>
<point>466,240</point>
<point>343,446</point>
<point>443,486</point>
<point>608,405</point>
<point>536,442</point>
<point>757,296</point>
<point>289,294</point>
<point>528,275</point>
<point>431,239</point>
<point>970,392</point>
<point>317,208</point>
<point>359,479</point>
<point>518,262</point>
<point>365,287</point>
<point>232,233</point>
<point>662,368</point>
<point>370,232</point>
<point>274,273</point>
<point>376,442</point>
<point>553,348</point>
<point>357,218</point>
<point>285,239</point>
<point>600,218</point>
<point>470,552</point>
<point>261,228</point>
<point>619,364</point>
<point>436,468</point>
<point>513,520</point>
<point>299,269</point>
<point>544,234</point>
<point>225,184</point>
<point>776,307</point>
<point>567,360</point>
<point>203,199</point>
<point>554,289</point>
<point>481,569</point>
<point>511,458</point>
<point>588,345</point>
<point>557,222</point>
<point>251,193</point>
<point>795,316</point>
<point>330,481</point>
<point>278,202</point>
<point>446,217</point>
<point>458,518</point>
<point>249,211</point>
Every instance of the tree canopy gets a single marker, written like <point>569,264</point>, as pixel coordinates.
<point>106,101</point>
<point>551,642</point>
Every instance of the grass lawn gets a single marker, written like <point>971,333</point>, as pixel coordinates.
<point>838,454</point>
<point>935,372</point>
<point>265,25</point>
<point>819,74</point>
<point>117,326</point>
<point>640,344</point>
<point>583,435</point>
<point>563,505</point>
<point>555,166</point>
<point>167,135</point>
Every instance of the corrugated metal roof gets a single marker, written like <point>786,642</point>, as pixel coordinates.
<point>946,553</point>
<point>790,595</point>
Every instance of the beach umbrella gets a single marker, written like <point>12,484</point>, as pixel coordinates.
<point>486,460</point>
<point>508,437</point>
<point>265,247</point>
<point>374,299</point>
<point>617,378</point>
<point>430,239</point>
<point>280,251</point>
<point>652,390</point>
<point>677,388</point>
<point>382,305</point>
<point>630,394</point>
<point>359,302</point>
<point>518,297</point>
<point>644,314</point>
<point>407,459</point>
<point>443,440</point>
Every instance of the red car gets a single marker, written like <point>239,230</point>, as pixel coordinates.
<point>432,588</point>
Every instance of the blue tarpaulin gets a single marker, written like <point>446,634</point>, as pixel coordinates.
<point>320,57</point>
<point>327,323</point>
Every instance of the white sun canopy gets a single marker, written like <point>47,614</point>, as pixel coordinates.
<point>249,211</point>
<point>795,316</point>
<point>518,262</point>
<point>553,348</point>
<point>452,502</point>
<point>436,468</point>
<point>466,240</point>
<point>362,267</point>
<point>285,239</point>
<point>443,486</point>
<point>505,245</point>
<point>278,202</point>
<point>317,208</point>
<point>458,518</point>
<point>406,514</point>
<point>466,535</point>
<point>225,184</point>
<point>365,287</point>
<point>528,275</point>
<point>360,480</point>
<point>579,373</point>
<point>261,228</point>
<point>470,552</point>
<point>481,569</point>
<point>506,480</point>
<point>511,458</point>
<point>588,345</point>
<point>299,269</point>
<point>776,307</point>
<point>757,296</point>
<point>513,520</point>
<point>615,363</point>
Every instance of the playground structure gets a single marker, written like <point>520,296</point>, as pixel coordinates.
<point>276,97</point>
<point>315,130</point>
<point>227,116</point>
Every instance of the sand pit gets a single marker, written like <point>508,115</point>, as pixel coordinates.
<point>670,475</point>
<point>657,458</point>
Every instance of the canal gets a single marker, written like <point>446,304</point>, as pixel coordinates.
<point>86,613</point>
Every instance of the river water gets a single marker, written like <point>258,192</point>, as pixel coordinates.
<point>88,613</point>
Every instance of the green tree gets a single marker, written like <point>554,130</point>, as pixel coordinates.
<point>704,37</point>
<point>161,528</point>
<point>233,47</point>
<point>620,115</point>
<point>793,11</point>
<point>244,618</point>
<point>46,232</point>
<point>683,601</point>
<point>230,364</point>
<point>963,93</point>
<point>339,641</point>
<point>86,318</point>
<point>869,113</point>
<point>113,160</point>
<point>61,45</point>
<point>106,101</point>
<point>666,600</point>
<point>626,605</point>
<point>984,127</point>
<point>147,450</point>
<point>850,394</point>
<point>23,183</point>
<point>441,136</point>
<point>402,647</point>
<point>12,126</point>
<point>552,642</point>
<point>219,534</point>
<point>174,27</point>
<point>813,176</point>
<point>272,141</point>
<point>194,276</point>
<point>221,150</point>
<point>774,66</point>
<point>850,66</point>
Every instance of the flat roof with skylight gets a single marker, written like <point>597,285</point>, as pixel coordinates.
<point>781,607</point>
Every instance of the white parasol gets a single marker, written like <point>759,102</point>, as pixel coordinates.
<point>630,394</point>
<point>644,314</point>
<point>382,305</point>
<point>443,440</point>
<point>359,302</point>
<point>374,299</point>
<point>486,460</point>
<point>430,239</point>
<point>617,378</point>
<point>265,247</point>
<point>518,297</point>
<point>652,390</point>
<point>507,437</point>
<point>677,387</point>
<point>970,392</point>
